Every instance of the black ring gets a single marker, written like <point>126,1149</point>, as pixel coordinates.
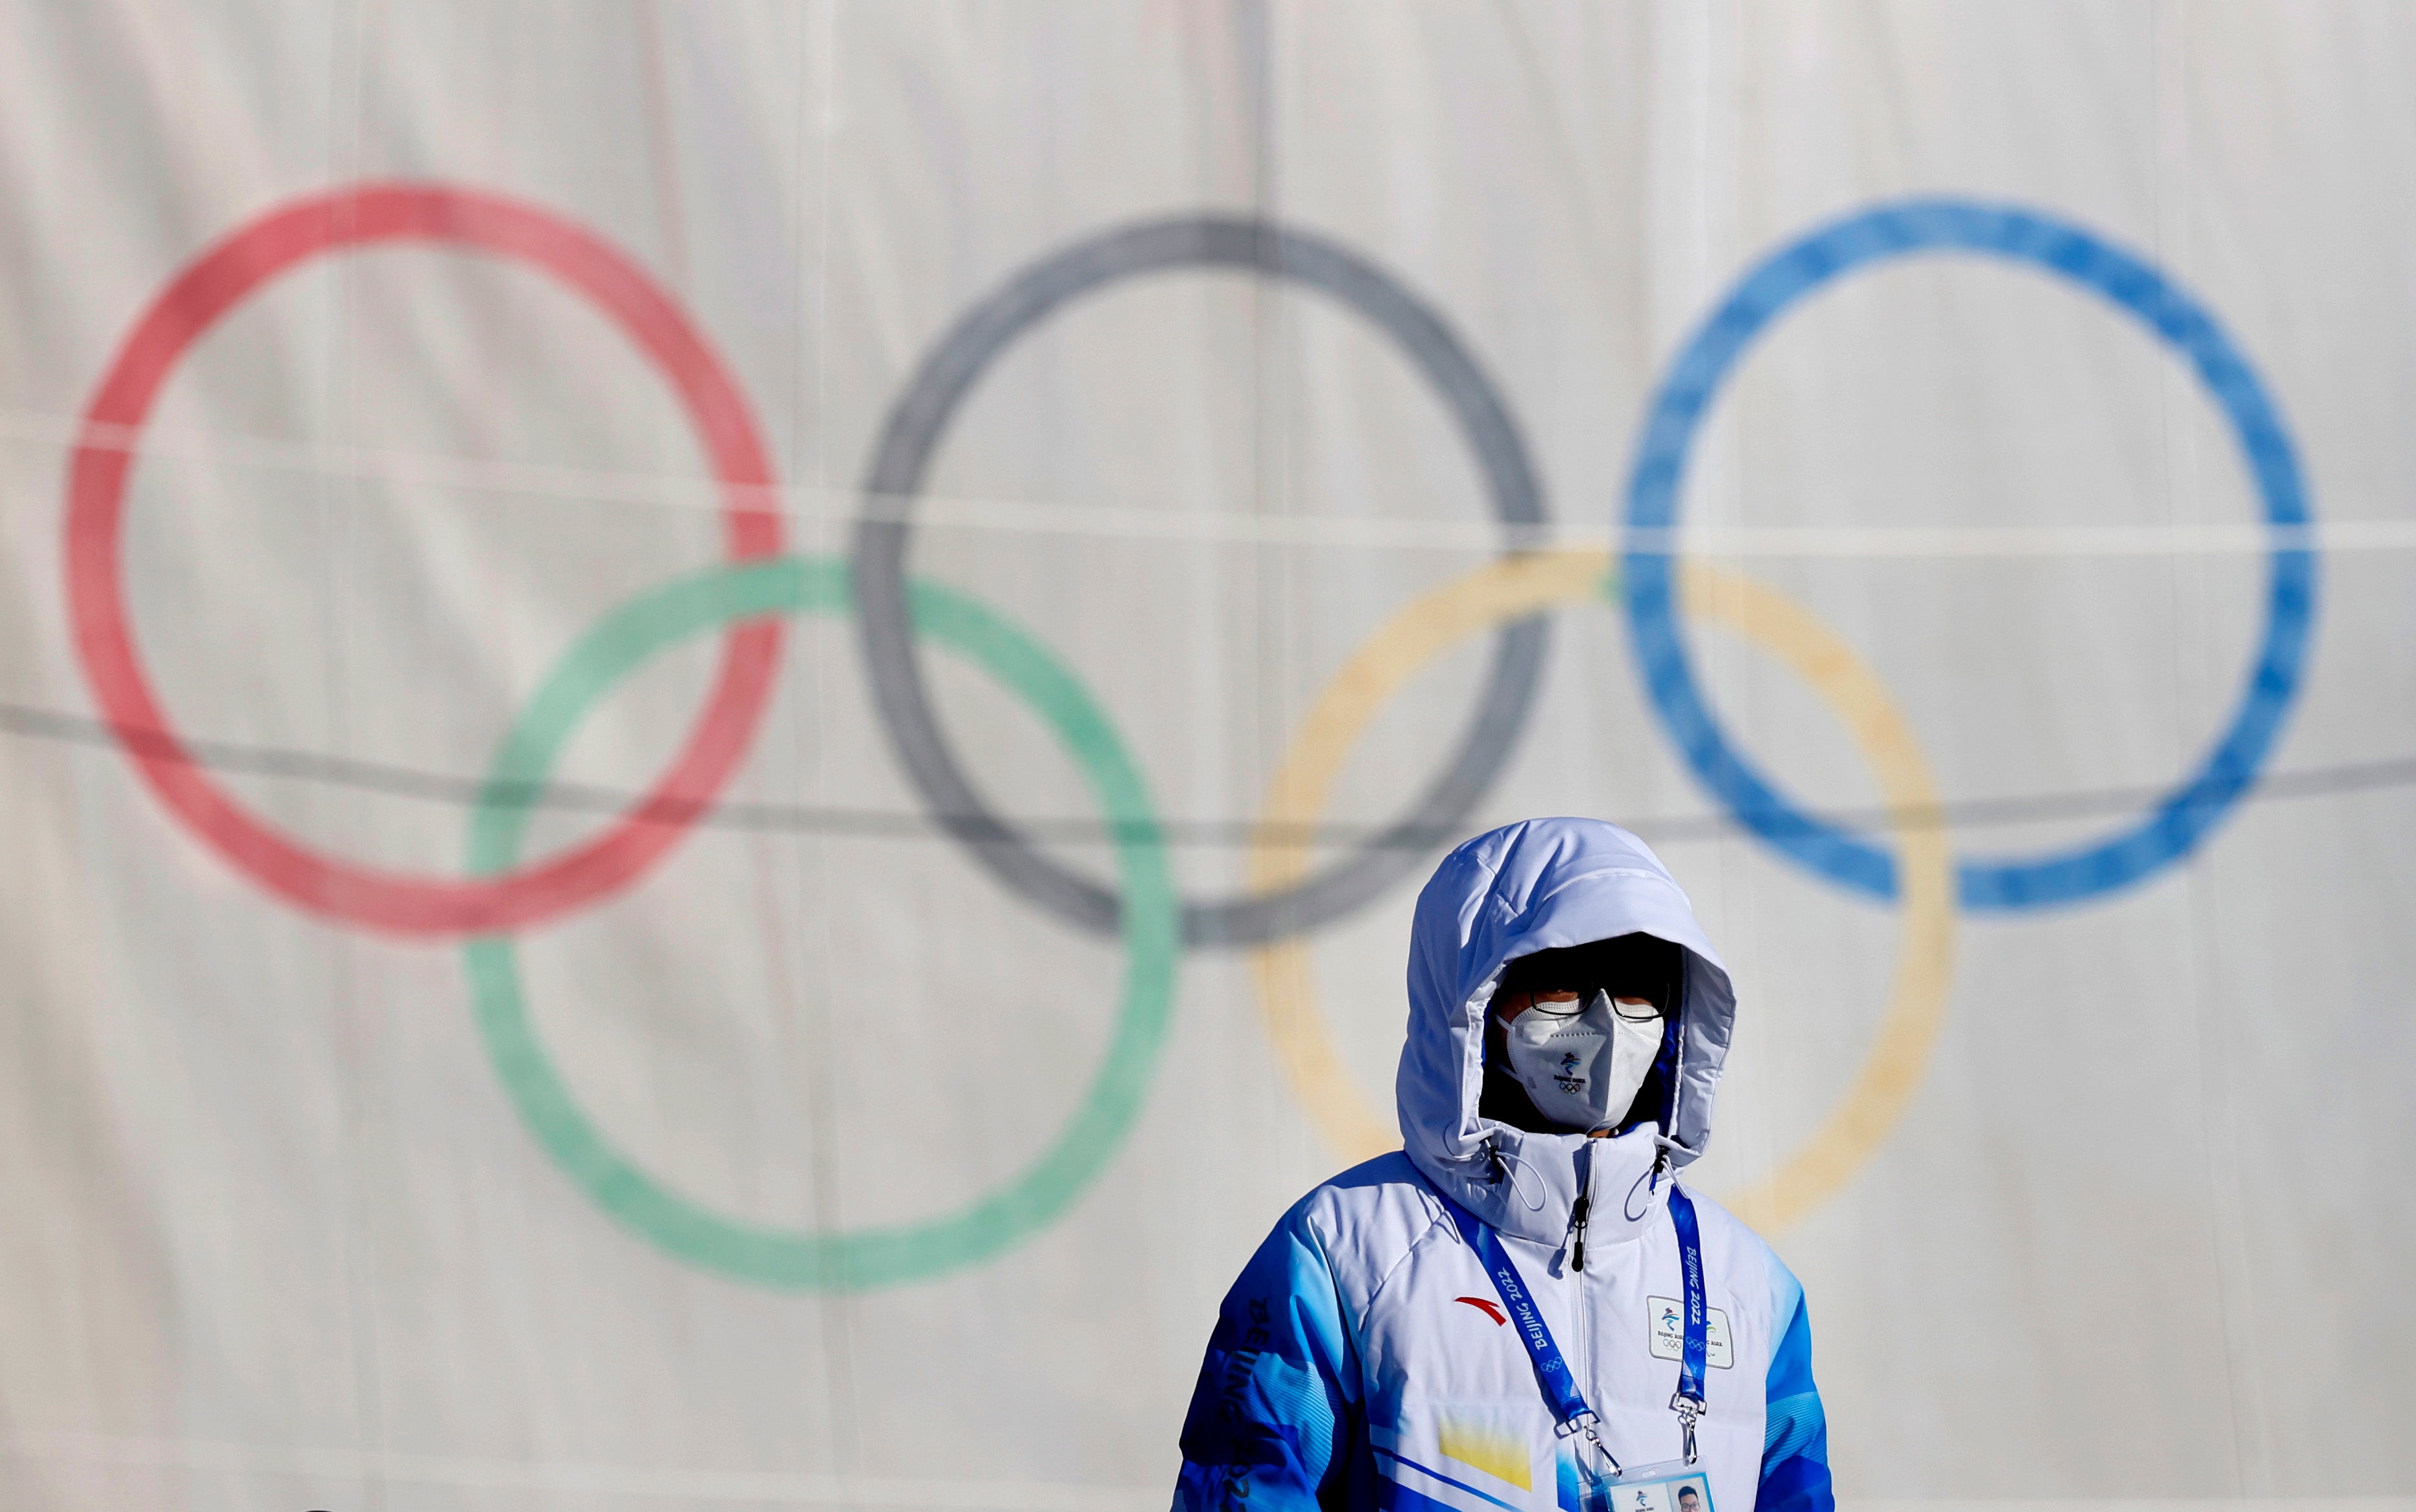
<point>912,433</point>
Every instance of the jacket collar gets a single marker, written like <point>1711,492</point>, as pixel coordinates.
<point>1531,1189</point>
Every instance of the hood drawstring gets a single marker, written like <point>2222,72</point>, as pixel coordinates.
<point>1669,1148</point>
<point>1500,1164</point>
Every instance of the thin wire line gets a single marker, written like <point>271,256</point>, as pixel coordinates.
<point>837,508</point>
<point>582,798</point>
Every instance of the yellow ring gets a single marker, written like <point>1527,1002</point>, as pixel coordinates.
<point>1521,586</point>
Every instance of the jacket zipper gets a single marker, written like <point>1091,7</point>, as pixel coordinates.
<point>1577,1212</point>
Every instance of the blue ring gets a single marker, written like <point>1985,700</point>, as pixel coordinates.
<point>2190,811</point>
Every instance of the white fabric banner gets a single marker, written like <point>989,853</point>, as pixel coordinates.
<point>1970,448</point>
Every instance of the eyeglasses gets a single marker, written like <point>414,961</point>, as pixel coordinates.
<point>1568,1002</point>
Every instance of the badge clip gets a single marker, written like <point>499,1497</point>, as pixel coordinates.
<point>1688,1409</point>
<point>1588,1425</point>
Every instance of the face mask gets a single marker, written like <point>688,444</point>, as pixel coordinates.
<point>1582,1062</point>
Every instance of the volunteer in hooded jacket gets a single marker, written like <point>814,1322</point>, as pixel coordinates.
<point>1367,1358</point>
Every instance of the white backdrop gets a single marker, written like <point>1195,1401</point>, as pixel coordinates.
<point>290,1226</point>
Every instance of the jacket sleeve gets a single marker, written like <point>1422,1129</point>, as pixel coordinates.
<point>1275,1419</point>
<point>1795,1443</point>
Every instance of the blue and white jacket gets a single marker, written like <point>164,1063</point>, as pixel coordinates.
<point>1362,1361</point>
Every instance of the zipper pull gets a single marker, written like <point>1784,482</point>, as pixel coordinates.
<point>1577,1228</point>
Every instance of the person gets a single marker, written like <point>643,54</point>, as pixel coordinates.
<point>1689,1500</point>
<point>1524,1307</point>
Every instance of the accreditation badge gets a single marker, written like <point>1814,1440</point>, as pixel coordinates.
<point>1671,1485</point>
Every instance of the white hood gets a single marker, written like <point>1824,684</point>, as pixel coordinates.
<point>1540,885</point>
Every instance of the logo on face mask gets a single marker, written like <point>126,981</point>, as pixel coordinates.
<point>1583,1067</point>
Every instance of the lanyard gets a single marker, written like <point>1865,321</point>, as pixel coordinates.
<point>1553,1370</point>
<point>1688,1402</point>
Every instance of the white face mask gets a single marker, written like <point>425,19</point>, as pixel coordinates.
<point>1582,1062</point>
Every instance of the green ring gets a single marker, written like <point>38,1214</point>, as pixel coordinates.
<point>806,1259</point>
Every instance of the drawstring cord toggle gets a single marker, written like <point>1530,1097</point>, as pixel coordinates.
<point>1499,1164</point>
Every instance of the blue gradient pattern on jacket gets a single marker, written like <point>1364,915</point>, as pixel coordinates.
<point>1360,1361</point>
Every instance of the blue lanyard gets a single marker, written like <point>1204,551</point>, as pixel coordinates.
<point>1553,1370</point>
<point>1688,1402</point>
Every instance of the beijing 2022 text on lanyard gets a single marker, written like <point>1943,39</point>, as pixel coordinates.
<point>1652,1487</point>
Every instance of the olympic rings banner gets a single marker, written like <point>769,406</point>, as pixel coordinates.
<point>718,719</point>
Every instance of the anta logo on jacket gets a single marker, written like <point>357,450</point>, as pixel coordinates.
<point>1348,1370</point>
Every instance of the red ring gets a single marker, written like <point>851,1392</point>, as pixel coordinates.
<point>361,216</point>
